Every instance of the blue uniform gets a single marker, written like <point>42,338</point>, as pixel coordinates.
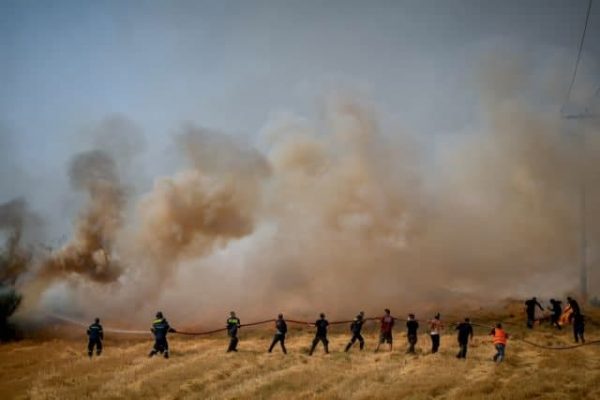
<point>320,336</point>
<point>95,336</point>
<point>356,328</point>
<point>233,324</point>
<point>160,329</point>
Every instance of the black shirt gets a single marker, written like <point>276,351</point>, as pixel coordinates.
<point>530,304</point>
<point>574,306</point>
<point>412,326</point>
<point>465,330</point>
<point>281,327</point>
<point>356,325</point>
<point>556,308</point>
<point>321,325</point>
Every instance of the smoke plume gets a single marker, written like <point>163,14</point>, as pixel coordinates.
<point>89,252</point>
<point>337,215</point>
<point>15,258</point>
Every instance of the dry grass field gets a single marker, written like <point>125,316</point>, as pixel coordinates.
<point>199,368</point>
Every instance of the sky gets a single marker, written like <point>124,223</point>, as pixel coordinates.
<point>229,64</point>
<point>232,66</point>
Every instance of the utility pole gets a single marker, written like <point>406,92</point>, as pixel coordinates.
<point>583,250</point>
<point>585,114</point>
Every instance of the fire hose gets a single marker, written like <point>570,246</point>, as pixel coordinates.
<point>263,322</point>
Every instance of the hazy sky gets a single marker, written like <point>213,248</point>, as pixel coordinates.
<point>228,65</point>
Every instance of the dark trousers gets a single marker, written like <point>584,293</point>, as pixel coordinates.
<point>554,318</point>
<point>160,346</point>
<point>233,342</point>
<point>499,356</point>
<point>412,341</point>
<point>355,337</point>
<point>278,338</point>
<point>530,319</point>
<point>462,353</point>
<point>97,343</point>
<point>316,341</point>
<point>435,343</point>
<point>578,333</point>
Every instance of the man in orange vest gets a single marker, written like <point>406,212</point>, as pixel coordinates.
<point>499,338</point>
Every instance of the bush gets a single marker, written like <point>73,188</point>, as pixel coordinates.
<point>9,302</point>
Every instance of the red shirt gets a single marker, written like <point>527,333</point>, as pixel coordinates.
<point>387,323</point>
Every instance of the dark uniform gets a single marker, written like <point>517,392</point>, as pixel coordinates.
<point>577,319</point>
<point>530,309</point>
<point>578,327</point>
<point>233,325</point>
<point>412,326</point>
<point>574,306</point>
<point>355,328</point>
<point>556,312</point>
<point>160,329</point>
<point>465,331</point>
<point>96,336</point>
<point>281,331</point>
<point>321,335</point>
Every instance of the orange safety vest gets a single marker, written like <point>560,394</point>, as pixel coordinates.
<point>500,336</point>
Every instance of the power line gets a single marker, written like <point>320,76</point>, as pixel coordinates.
<point>587,18</point>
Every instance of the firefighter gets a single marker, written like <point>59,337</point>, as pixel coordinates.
<point>160,329</point>
<point>499,338</point>
<point>281,331</point>
<point>435,327</point>
<point>385,335</point>
<point>96,336</point>
<point>233,325</point>
<point>578,327</point>
<point>530,309</point>
<point>574,307</point>
<point>556,313</point>
<point>355,328</point>
<point>465,333</point>
<point>321,334</point>
<point>412,326</point>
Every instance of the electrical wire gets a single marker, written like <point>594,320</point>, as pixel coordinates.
<point>579,53</point>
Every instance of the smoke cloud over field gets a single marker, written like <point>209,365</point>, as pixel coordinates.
<point>88,252</point>
<point>341,214</point>
<point>15,218</point>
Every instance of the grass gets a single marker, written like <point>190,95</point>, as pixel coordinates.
<point>199,368</point>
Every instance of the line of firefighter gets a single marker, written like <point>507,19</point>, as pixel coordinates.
<point>571,313</point>
<point>161,328</point>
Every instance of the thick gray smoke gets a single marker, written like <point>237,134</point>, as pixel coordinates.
<point>211,202</point>
<point>344,214</point>
<point>89,252</point>
<point>15,256</point>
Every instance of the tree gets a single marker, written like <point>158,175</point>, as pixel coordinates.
<point>9,302</point>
